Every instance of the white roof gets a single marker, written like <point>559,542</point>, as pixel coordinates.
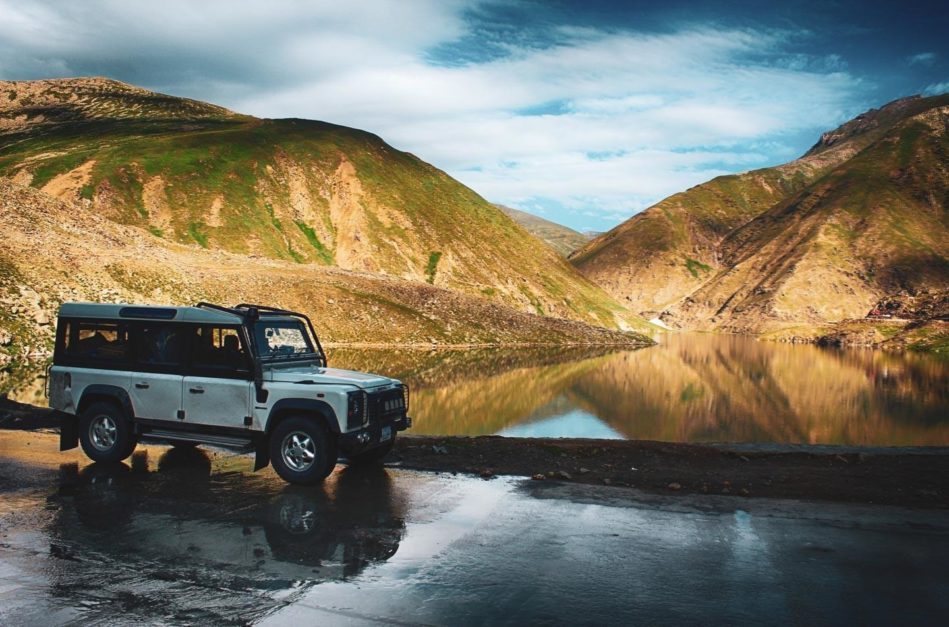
<point>147,312</point>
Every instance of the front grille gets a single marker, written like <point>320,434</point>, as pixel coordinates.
<point>386,404</point>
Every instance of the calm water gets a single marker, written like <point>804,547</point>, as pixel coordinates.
<point>691,388</point>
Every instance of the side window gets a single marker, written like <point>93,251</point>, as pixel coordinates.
<point>63,339</point>
<point>219,351</point>
<point>97,343</point>
<point>159,346</point>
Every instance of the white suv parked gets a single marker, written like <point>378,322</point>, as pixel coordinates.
<point>249,377</point>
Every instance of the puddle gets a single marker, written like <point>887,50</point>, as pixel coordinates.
<point>191,536</point>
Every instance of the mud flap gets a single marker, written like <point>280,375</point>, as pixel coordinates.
<point>68,432</point>
<point>262,458</point>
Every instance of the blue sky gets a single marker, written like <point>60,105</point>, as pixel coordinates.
<point>583,112</point>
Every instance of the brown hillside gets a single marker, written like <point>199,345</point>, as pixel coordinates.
<point>876,225</point>
<point>54,251</point>
<point>310,193</point>
<point>665,253</point>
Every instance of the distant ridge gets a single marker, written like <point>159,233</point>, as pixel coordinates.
<point>561,238</point>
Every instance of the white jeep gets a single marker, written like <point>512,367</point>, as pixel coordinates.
<point>249,377</point>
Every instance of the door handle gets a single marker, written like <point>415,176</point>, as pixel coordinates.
<point>196,390</point>
<point>141,386</point>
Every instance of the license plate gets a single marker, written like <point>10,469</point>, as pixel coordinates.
<point>386,434</point>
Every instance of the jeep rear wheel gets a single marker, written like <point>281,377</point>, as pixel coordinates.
<point>105,433</point>
<point>302,451</point>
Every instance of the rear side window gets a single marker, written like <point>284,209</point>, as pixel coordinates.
<point>159,345</point>
<point>96,343</point>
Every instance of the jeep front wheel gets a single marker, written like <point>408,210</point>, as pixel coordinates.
<point>105,433</point>
<point>302,451</point>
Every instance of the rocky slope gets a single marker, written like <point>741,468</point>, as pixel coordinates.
<point>877,224</point>
<point>561,238</point>
<point>306,192</point>
<point>55,251</point>
<point>861,215</point>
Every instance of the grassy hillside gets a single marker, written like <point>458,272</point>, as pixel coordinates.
<point>305,192</point>
<point>56,251</point>
<point>561,238</point>
<point>873,226</point>
<point>662,255</point>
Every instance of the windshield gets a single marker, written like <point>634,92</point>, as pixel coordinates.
<point>283,339</point>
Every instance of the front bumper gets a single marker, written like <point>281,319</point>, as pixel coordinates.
<point>370,436</point>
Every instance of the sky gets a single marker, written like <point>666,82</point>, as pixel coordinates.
<point>584,113</point>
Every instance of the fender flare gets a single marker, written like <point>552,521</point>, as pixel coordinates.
<point>287,406</point>
<point>110,392</point>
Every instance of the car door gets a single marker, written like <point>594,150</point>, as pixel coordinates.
<point>217,388</point>
<point>157,373</point>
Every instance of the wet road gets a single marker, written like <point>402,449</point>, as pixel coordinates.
<point>187,536</point>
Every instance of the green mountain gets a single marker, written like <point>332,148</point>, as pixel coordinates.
<point>55,251</point>
<point>861,216</point>
<point>306,192</point>
<point>561,238</point>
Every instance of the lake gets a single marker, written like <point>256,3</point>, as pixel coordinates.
<point>690,388</point>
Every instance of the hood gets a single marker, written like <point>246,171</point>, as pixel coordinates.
<point>332,376</point>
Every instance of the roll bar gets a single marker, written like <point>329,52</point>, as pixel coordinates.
<point>253,312</point>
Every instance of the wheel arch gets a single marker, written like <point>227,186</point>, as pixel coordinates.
<point>287,408</point>
<point>107,393</point>
<point>317,410</point>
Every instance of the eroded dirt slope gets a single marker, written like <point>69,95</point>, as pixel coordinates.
<point>55,251</point>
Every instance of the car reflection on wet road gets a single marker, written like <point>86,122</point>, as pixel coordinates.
<point>188,536</point>
<point>201,545</point>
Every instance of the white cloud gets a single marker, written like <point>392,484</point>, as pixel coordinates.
<point>936,89</point>
<point>638,116</point>
<point>923,58</point>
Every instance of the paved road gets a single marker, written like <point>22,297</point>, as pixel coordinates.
<point>191,537</point>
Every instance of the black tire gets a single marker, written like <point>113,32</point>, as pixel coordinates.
<point>105,433</point>
<point>302,450</point>
<point>372,457</point>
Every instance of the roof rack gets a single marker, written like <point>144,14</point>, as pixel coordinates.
<point>229,310</point>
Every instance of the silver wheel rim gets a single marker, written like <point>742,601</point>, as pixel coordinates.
<point>298,451</point>
<point>102,432</point>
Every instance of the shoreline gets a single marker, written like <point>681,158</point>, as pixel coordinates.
<point>890,476</point>
<point>12,362</point>
<point>826,335</point>
<point>913,477</point>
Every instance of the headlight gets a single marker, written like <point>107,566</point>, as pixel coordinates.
<point>355,409</point>
<point>405,397</point>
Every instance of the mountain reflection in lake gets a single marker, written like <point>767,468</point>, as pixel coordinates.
<point>691,388</point>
